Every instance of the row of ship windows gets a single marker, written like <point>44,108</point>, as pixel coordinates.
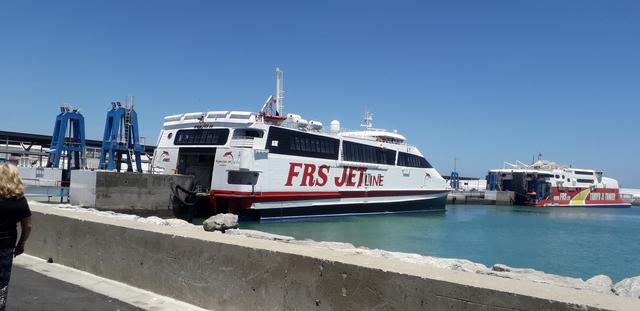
<point>579,179</point>
<point>201,137</point>
<point>296,143</point>
<point>306,144</point>
<point>283,141</point>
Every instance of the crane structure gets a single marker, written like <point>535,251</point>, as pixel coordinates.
<point>121,137</point>
<point>68,140</point>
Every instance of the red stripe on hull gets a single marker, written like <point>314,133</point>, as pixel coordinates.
<point>237,200</point>
<point>600,196</point>
<point>324,195</point>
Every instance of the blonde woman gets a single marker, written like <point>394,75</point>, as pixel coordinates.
<point>13,210</point>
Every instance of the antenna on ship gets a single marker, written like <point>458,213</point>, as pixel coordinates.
<point>272,111</point>
<point>279,92</point>
<point>368,120</point>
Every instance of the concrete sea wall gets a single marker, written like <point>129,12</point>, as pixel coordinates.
<point>137,193</point>
<point>481,197</point>
<point>230,272</point>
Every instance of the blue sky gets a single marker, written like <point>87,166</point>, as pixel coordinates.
<point>486,81</point>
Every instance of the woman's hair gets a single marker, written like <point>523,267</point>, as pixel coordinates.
<point>10,182</point>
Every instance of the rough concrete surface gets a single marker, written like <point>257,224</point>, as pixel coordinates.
<point>231,272</point>
<point>138,193</point>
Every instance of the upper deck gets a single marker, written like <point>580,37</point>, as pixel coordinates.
<point>210,118</point>
<point>241,129</point>
<point>243,119</point>
<point>560,175</point>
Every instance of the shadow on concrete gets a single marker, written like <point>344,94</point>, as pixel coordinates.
<point>30,290</point>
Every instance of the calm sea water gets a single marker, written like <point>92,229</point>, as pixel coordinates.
<point>576,242</point>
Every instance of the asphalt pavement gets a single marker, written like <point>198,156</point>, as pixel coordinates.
<point>29,290</point>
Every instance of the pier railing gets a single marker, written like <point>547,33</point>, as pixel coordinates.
<point>52,193</point>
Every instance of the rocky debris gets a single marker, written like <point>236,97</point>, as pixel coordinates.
<point>601,283</point>
<point>172,222</point>
<point>324,244</point>
<point>221,222</point>
<point>598,283</point>
<point>444,263</point>
<point>175,222</point>
<point>500,268</point>
<point>260,235</point>
<point>629,287</point>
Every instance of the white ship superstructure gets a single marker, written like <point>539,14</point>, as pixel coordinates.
<point>269,165</point>
<point>545,183</point>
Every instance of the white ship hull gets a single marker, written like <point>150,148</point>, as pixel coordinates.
<point>268,165</point>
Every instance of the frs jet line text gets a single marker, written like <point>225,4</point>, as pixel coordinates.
<point>318,176</point>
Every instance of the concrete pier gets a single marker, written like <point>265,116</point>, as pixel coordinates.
<point>481,197</point>
<point>135,193</point>
<point>228,272</point>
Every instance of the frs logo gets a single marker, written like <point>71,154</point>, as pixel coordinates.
<point>165,157</point>
<point>317,176</point>
<point>228,154</point>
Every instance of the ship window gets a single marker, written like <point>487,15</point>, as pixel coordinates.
<point>557,176</point>
<point>242,178</point>
<point>248,133</point>
<point>412,160</point>
<point>583,173</point>
<point>589,181</point>
<point>302,144</point>
<point>368,154</point>
<point>202,137</point>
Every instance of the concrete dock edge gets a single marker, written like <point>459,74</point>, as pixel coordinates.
<point>227,272</point>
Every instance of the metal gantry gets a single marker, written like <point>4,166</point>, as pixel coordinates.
<point>120,137</point>
<point>68,140</point>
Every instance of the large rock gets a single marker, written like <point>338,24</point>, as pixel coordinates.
<point>629,287</point>
<point>221,222</point>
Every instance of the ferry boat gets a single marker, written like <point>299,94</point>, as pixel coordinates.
<point>545,183</point>
<point>270,165</point>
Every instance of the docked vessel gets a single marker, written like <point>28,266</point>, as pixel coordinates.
<point>545,183</point>
<point>271,165</point>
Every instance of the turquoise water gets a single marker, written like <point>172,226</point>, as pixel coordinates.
<point>576,242</point>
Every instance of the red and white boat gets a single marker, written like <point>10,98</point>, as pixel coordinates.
<point>545,183</point>
<point>268,165</point>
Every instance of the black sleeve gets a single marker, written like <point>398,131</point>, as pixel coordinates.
<point>24,210</point>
